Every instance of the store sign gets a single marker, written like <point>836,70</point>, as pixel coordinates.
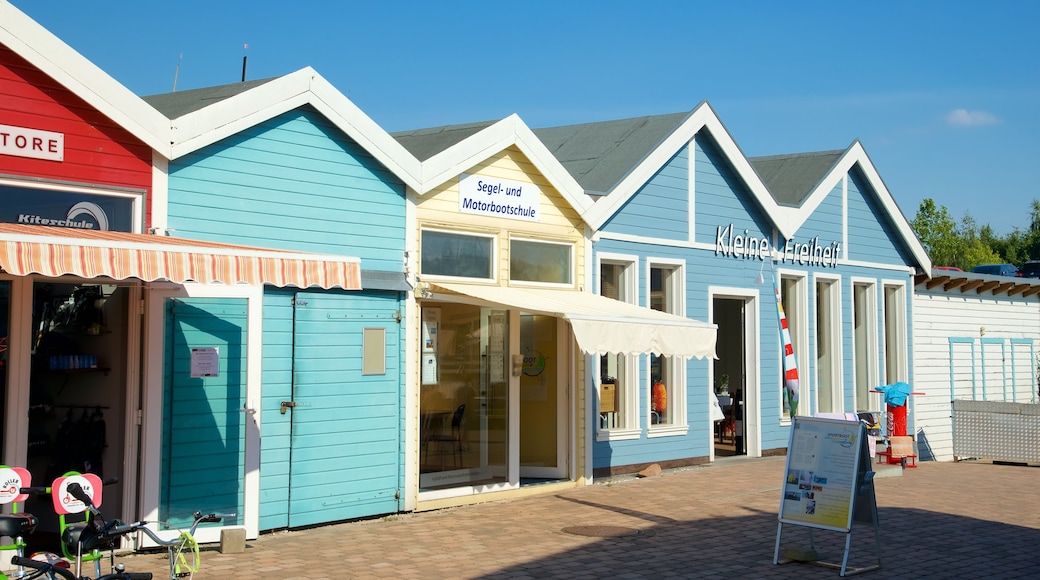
<point>488,196</point>
<point>23,142</point>
<point>65,209</point>
<point>744,246</point>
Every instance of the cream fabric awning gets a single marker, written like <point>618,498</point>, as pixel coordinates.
<point>604,325</point>
<point>56,251</point>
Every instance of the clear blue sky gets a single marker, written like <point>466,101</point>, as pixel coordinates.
<point>944,95</point>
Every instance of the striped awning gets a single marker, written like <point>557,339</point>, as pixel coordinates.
<point>56,251</point>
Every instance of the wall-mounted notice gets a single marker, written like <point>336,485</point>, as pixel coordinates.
<point>820,479</point>
<point>205,362</point>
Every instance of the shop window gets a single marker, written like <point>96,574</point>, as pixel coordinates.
<point>618,385</point>
<point>895,334</point>
<point>828,346</point>
<point>792,293</point>
<point>456,254</point>
<point>865,345</point>
<point>666,392</point>
<point>531,261</point>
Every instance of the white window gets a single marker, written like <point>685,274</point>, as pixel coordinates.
<point>461,255</point>
<point>536,261</point>
<point>895,334</point>
<point>666,392</point>
<point>618,379</point>
<point>828,346</point>
<point>793,298</point>
<point>864,344</point>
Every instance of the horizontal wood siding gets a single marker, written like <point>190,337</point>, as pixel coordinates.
<point>559,222</point>
<point>97,150</point>
<point>723,272</point>
<point>274,426</point>
<point>294,182</point>
<point>348,427</point>
<point>661,206</point>
<point>940,316</point>
<point>825,222</point>
<point>722,198</point>
<point>872,237</point>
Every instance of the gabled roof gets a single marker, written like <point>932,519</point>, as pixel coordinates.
<point>621,156</point>
<point>599,155</point>
<point>181,103</point>
<point>211,114</point>
<point>854,156</point>
<point>425,143</point>
<point>790,178</point>
<point>83,78</point>
<point>649,142</point>
<point>450,151</point>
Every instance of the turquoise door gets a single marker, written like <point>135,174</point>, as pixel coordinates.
<point>204,395</point>
<point>346,452</point>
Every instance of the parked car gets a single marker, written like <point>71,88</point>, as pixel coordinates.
<point>996,269</point>
<point>1030,269</point>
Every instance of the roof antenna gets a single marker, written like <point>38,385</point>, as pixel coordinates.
<point>244,58</point>
<point>177,71</point>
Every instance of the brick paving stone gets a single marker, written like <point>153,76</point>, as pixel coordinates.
<point>939,520</point>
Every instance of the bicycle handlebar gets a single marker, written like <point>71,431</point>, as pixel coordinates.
<point>44,567</point>
<point>48,568</point>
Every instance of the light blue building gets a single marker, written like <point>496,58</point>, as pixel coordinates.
<point>687,224</point>
<point>290,164</point>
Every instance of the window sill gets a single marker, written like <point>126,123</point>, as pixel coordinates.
<point>618,434</point>
<point>666,431</point>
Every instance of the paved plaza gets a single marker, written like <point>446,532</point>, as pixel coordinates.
<point>939,520</point>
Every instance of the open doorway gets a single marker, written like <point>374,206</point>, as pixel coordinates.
<point>730,376</point>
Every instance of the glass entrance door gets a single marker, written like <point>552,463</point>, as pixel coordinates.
<point>464,397</point>
<point>542,399</point>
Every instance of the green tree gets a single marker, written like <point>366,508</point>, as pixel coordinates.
<point>938,233</point>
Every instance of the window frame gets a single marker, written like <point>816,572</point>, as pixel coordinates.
<point>675,303</point>
<point>493,256</point>
<point>628,392</point>
<point>798,324</point>
<point>543,284</point>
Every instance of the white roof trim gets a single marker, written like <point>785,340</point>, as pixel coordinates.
<point>857,155</point>
<point>787,220</point>
<point>702,117</point>
<point>303,87</point>
<point>59,61</point>
<point>462,156</point>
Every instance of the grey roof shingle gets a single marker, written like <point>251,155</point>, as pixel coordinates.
<point>791,177</point>
<point>599,155</point>
<point>180,103</point>
<point>425,143</point>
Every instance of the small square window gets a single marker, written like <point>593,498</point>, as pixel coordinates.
<point>531,261</point>
<point>455,254</point>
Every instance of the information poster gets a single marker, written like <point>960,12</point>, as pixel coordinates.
<point>205,362</point>
<point>821,474</point>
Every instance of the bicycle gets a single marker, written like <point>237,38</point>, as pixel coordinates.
<point>183,551</point>
<point>50,570</point>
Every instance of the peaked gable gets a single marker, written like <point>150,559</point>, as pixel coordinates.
<point>855,157</point>
<point>47,53</point>
<point>472,144</point>
<point>215,113</point>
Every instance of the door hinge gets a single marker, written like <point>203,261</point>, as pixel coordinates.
<point>138,417</point>
<point>397,316</point>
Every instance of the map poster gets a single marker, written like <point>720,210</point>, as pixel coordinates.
<point>820,478</point>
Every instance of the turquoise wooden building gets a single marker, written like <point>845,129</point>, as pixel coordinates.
<point>291,164</point>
